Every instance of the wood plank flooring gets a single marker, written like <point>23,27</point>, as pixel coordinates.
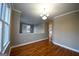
<point>42,48</point>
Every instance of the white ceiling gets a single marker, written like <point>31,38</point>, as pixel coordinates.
<point>29,12</point>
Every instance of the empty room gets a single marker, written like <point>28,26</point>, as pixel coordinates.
<point>39,29</point>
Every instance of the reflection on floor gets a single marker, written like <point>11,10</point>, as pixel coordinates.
<point>42,48</point>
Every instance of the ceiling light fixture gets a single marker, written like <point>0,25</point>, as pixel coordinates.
<point>44,17</point>
<point>44,10</point>
<point>44,14</point>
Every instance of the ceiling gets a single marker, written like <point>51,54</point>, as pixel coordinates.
<point>30,11</point>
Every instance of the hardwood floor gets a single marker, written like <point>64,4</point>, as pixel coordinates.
<point>42,48</point>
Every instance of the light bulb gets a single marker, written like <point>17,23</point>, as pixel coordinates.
<point>44,17</point>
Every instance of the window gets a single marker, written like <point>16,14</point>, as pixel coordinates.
<point>23,28</point>
<point>5,12</point>
<point>6,35</point>
<point>0,33</point>
<point>0,9</point>
<point>26,28</point>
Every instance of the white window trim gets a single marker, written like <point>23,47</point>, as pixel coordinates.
<point>3,49</point>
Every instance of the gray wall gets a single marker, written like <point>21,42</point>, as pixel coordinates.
<point>29,37</point>
<point>18,38</point>
<point>66,31</point>
<point>39,28</point>
<point>15,24</point>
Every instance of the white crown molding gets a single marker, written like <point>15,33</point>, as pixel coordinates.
<point>66,13</point>
<point>18,11</point>
<point>72,49</point>
<point>15,9</point>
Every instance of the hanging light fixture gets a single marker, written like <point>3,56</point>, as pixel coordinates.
<point>44,14</point>
<point>44,10</point>
<point>44,17</point>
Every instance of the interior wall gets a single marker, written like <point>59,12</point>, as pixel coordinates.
<point>39,28</point>
<point>21,38</point>
<point>50,22</point>
<point>15,25</point>
<point>66,31</point>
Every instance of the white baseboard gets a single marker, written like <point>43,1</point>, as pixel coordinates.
<point>9,51</point>
<point>66,47</point>
<point>26,44</point>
